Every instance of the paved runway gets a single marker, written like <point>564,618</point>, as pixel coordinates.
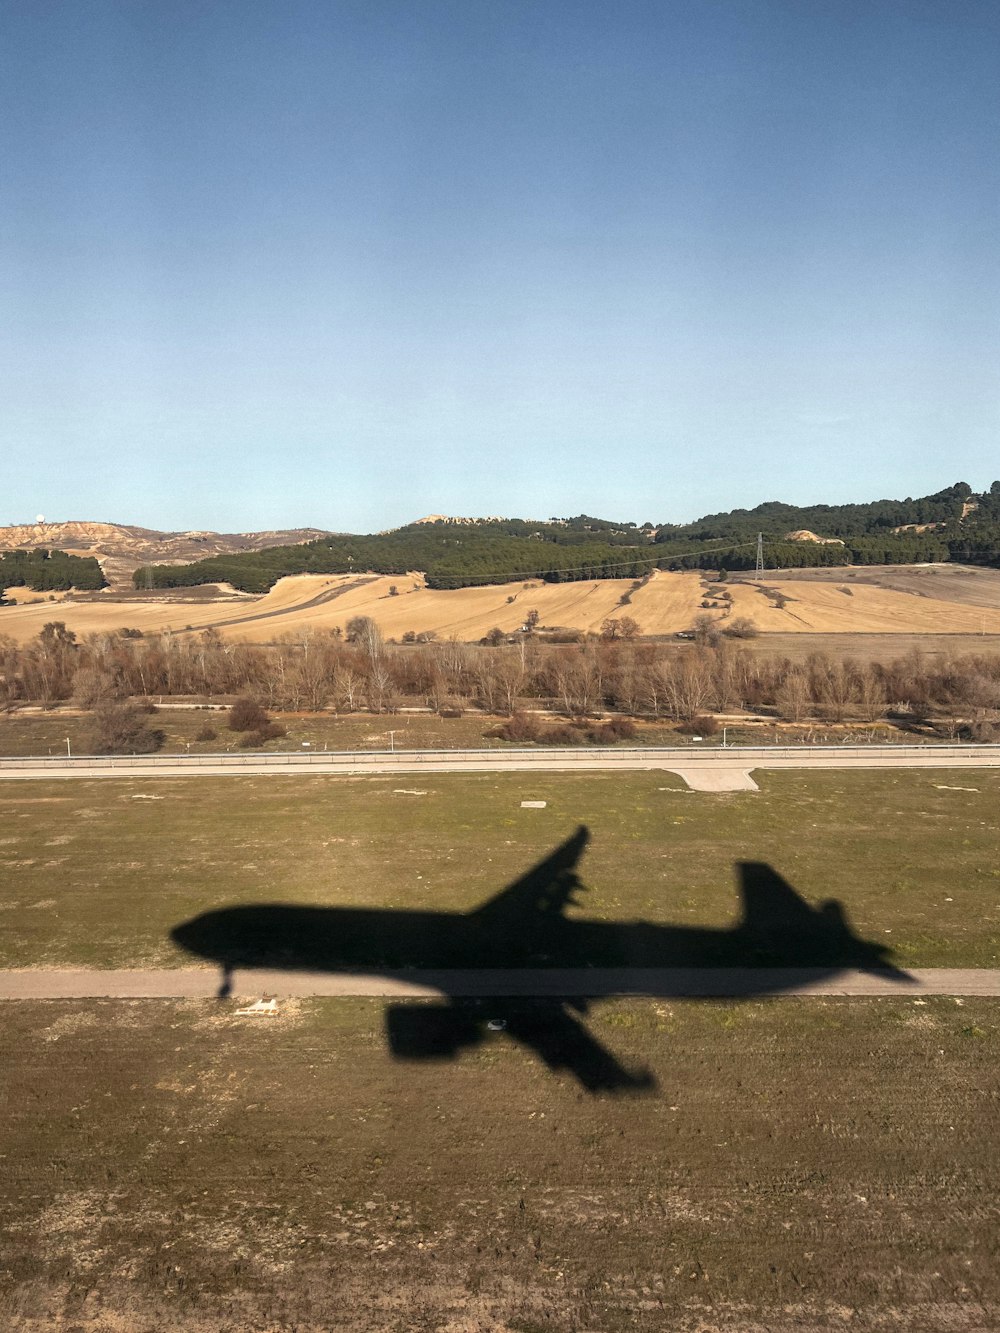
<point>712,769</point>
<point>666,983</point>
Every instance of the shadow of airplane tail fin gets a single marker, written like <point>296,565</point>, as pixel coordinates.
<point>770,904</point>
<point>781,925</point>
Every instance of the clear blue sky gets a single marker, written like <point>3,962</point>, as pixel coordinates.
<point>311,262</point>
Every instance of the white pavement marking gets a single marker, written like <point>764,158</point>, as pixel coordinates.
<point>717,779</point>
<point>204,982</point>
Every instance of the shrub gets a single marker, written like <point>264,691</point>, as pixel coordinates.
<point>563,734</point>
<point>123,729</point>
<point>247,715</point>
<point>207,734</point>
<point>620,729</point>
<point>702,725</point>
<point>741,628</point>
<point>622,627</point>
<point>706,631</point>
<point>518,727</point>
<point>253,740</point>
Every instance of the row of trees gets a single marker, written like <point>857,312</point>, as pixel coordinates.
<point>321,670</point>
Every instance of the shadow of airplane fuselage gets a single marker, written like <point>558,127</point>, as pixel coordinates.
<point>525,926</point>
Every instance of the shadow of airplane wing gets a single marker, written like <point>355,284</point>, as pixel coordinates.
<point>549,1029</point>
<point>437,1031</point>
<point>544,891</point>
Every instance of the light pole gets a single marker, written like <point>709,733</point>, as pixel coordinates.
<point>392,743</point>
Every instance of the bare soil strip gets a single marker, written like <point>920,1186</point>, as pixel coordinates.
<point>679,983</point>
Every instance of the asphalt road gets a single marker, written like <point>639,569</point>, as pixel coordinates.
<point>712,769</point>
<point>204,982</point>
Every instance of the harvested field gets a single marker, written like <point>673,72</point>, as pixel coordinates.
<point>962,585</point>
<point>806,1165</point>
<point>97,872</point>
<point>665,605</point>
<point>870,647</point>
<point>817,606</point>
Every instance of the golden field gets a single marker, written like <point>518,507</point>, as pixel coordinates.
<point>932,600</point>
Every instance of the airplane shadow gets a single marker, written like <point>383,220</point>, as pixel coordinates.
<point>477,958</point>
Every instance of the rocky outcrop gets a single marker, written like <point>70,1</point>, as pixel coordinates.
<point>804,535</point>
<point>122,549</point>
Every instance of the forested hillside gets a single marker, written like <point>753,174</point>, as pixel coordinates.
<point>48,571</point>
<point>956,523</point>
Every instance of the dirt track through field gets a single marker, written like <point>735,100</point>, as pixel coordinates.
<point>680,983</point>
<point>320,599</point>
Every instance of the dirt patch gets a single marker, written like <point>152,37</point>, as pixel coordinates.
<point>67,1024</point>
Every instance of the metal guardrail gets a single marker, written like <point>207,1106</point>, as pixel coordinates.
<point>739,756</point>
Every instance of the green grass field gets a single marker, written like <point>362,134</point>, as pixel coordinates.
<point>97,872</point>
<point>806,1165</point>
<point>45,733</point>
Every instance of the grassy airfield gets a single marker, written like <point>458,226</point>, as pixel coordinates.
<point>806,1165</point>
<point>97,872</point>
